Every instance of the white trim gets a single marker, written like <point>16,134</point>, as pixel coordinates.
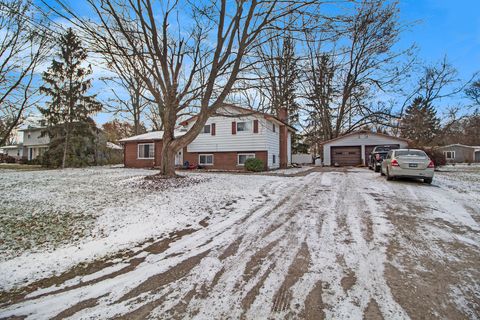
<point>142,144</point>
<point>243,154</point>
<point>206,154</point>
<point>445,154</point>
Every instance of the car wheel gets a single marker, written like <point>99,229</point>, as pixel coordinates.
<point>377,169</point>
<point>389,177</point>
<point>428,180</point>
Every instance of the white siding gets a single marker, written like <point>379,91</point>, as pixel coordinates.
<point>224,140</point>
<point>273,144</point>
<point>32,137</point>
<point>360,139</point>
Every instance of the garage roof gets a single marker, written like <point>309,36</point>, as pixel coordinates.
<point>364,132</point>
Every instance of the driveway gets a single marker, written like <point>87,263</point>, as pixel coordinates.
<point>333,245</point>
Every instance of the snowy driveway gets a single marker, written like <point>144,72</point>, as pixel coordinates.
<point>334,245</point>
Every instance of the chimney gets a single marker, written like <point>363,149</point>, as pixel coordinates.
<point>283,114</point>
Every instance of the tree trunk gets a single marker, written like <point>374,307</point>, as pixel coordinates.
<point>167,164</point>
<point>65,147</point>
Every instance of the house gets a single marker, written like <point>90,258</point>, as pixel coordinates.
<point>352,149</point>
<point>459,153</point>
<point>229,138</point>
<point>30,142</point>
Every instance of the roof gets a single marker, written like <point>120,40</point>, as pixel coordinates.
<point>154,135</point>
<point>15,146</point>
<point>460,145</point>
<point>113,146</point>
<point>365,132</point>
<point>246,112</point>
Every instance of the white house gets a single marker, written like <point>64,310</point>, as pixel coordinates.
<point>352,149</point>
<point>228,138</point>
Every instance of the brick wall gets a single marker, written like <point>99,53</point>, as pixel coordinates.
<point>130,155</point>
<point>224,160</point>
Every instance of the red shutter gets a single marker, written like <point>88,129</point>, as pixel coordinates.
<point>255,126</point>
<point>213,129</point>
<point>234,127</point>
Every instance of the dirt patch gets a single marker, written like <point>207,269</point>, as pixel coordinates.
<point>372,312</point>
<point>162,245</point>
<point>85,304</point>
<point>367,226</point>
<point>179,311</point>
<point>159,280</point>
<point>348,281</point>
<point>252,294</point>
<point>204,223</point>
<point>430,270</point>
<point>231,249</point>
<point>254,264</point>
<point>158,182</point>
<point>314,306</point>
<point>299,266</point>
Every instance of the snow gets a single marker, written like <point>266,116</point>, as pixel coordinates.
<point>154,135</point>
<point>346,221</point>
<point>124,214</point>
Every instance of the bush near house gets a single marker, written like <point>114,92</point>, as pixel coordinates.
<point>254,164</point>
<point>436,156</point>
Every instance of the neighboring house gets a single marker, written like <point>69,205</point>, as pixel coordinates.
<point>459,153</point>
<point>15,151</point>
<point>229,138</point>
<point>353,149</point>
<point>34,143</point>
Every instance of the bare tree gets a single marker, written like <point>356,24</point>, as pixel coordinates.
<point>23,46</point>
<point>348,65</point>
<point>130,83</point>
<point>195,62</point>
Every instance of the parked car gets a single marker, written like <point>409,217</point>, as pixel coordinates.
<point>377,155</point>
<point>408,163</point>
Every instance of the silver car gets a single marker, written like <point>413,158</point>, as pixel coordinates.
<point>408,163</point>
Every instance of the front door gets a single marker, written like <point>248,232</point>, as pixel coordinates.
<point>30,153</point>
<point>179,158</point>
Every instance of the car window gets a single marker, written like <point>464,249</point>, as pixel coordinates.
<point>407,153</point>
<point>389,155</point>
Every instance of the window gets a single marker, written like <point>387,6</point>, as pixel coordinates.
<point>274,156</point>
<point>243,126</point>
<point>205,159</point>
<point>274,129</point>
<point>146,151</point>
<point>449,155</point>
<point>242,157</point>
<point>206,129</point>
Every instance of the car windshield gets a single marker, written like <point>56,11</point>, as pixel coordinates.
<point>410,153</point>
<point>384,149</point>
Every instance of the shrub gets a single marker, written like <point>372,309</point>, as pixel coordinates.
<point>254,164</point>
<point>436,156</point>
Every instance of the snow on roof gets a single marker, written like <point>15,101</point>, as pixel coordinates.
<point>113,146</point>
<point>460,145</point>
<point>154,135</point>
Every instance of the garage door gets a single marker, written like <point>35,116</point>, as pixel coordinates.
<point>346,156</point>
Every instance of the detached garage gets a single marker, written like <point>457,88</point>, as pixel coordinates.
<point>352,149</point>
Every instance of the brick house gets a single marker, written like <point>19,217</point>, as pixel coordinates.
<point>229,138</point>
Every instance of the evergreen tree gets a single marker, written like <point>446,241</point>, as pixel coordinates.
<point>420,123</point>
<point>70,127</point>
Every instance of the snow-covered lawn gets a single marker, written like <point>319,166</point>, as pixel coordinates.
<point>335,245</point>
